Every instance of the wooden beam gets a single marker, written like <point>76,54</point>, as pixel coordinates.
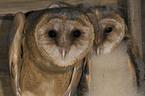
<point>143,26</point>
<point>134,22</point>
<point>5,86</point>
<point>13,6</point>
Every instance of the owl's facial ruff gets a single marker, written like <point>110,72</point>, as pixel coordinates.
<point>111,32</point>
<point>63,41</point>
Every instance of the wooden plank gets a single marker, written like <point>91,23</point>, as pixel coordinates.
<point>3,46</point>
<point>5,23</point>
<point>4,28</point>
<point>13,6</point>
<point>134,22</point>
<point>5,86</point>
<point>4,69</point>
<point>143,26</point>
<point>1,89</point>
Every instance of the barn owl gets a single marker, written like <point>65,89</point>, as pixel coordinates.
<point>114,71</point>
<point>47,51</point>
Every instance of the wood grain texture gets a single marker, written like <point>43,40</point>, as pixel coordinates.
<point>5,86</point>
<point>4,28</point>
<point>143,26</point>
<point>134,22</point>
<point>13,6</point>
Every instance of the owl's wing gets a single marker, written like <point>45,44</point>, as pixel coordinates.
<point>80,79</point>
<point>15,52</point>
<point>133,67</point>
<point>84,82</point>
<point>136,68</point>
<point>135,63</point>
<point>76,75</point>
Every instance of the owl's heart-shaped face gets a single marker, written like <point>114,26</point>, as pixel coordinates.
<point>110,32</point>
<point>62,37</point>
<point>64,42</point>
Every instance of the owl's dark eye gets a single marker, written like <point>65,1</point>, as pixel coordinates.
<point>52,34</point>
<point>108,30</point>
<point>76,33</point>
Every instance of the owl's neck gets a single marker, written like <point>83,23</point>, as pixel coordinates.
<point>110,74</point>
<point>118,58</point>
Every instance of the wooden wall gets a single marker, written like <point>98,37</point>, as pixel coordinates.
<point>13,6</point>
<point>143,26</point>
<point>134,22</point>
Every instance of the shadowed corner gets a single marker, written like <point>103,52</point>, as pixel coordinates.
<point>5,84</point>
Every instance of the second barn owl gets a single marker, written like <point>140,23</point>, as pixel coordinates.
<point>113,71</point>
<point>47,51</point>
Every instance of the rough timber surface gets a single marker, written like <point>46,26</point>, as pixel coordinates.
<point>13,6</point>
<point>143,26</point>
<point>134,22</point>
<point>5,86</point>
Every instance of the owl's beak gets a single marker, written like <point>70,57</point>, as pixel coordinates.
<point>63,52</point>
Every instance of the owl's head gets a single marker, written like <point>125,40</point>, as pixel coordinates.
<point>62,36</point>
<point>110,32</point>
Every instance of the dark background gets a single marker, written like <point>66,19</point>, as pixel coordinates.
<point>143,26</point>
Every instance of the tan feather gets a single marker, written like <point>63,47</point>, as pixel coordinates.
<point>15,51</point>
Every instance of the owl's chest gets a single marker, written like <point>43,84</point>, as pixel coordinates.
<point>40,83</point>
<point>115,60</point>
<point>110,74</point>
<point>112,65</point>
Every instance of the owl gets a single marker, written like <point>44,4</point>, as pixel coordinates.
<point>113,67</point>
<point>48,49</point>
